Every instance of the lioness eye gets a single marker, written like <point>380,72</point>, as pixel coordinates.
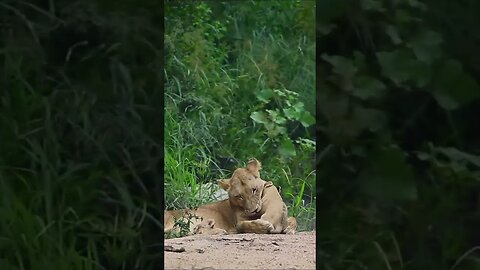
<point>240,197</point>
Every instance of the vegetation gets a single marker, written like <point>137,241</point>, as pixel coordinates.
<point>239,83</point>
<point>399,160</point>
<point>80,152</point>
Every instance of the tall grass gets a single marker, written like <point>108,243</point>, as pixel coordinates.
<point>80,138</point>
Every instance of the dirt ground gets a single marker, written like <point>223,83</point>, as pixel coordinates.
<point>241,251</point>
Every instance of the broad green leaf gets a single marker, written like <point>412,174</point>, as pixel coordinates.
<point>299,107</point>
<point>341,65</point>
<point>291,113</point>
<point>396,65</point>
<point>260,117</point>
<point>367,87</point>
<point>307,119</point>
<point>452,87</point>
<point>273,114</point>
<point>370,119</point>
<point>426,46</point>
<point>280,120</point>
<point>423,156</point>
<point>264,95</point>
<point>417,4</point>
<point>457,155</point>
<point>375,5</point>
<point>276,117</point>
<point>276,130</point>
<point>401,66</point>
<point>325,29</point>
<point>287,148</point>
<point>392,32</point>
<point>388,176</point>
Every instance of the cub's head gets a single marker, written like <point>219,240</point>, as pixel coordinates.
<point>245,187</point>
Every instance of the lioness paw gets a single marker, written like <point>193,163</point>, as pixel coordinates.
<point>267,225</point>
<point>255,226</point>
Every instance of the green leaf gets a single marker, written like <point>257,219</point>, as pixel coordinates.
<point>287,148</point>
<point>325,29</point>
<point>456,155</point>
<point>367,87</point>
<point>401,66</point>
<point>264,95</point>
<point>388,176</point>
<point>291,113</point>
<point>426,46</point>
<point>276,117</point>
<point>417,4</point>
<point>341,65</point>
<point>307,119</point>
<point>280,120</point>
<point>299,107</point>
<point>276,130</point>
<point>396,65</point>
<point>392,32</point>
<point>371,119</point>
<point>453,87</point>
<point>372,5</point>
<point>259,117</point>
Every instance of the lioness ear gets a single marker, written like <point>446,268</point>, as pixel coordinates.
<point>254,166</point>
<point>224,183</point>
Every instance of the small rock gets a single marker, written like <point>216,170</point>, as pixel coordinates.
<point>172,249</point>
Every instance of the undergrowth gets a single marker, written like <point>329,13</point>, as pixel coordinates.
<point>80,151</point>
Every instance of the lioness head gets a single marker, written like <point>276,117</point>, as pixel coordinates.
<point>245,187</point>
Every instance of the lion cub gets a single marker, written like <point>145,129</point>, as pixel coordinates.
<point>208,228</point>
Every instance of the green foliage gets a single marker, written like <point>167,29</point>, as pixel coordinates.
<point>286,108</point>
<point>81,143</point>
<point>399,170</point>
<point>239,85</point>
<point>182,226</point>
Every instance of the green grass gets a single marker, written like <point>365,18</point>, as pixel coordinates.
<point>80,153</point>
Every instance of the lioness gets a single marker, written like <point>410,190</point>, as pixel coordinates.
<point>254,205</point>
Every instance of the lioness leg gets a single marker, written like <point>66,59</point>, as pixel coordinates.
<point>277,217</point>
<point>254,226</point>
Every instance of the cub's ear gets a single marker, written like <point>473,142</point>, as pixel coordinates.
<point>224,183</point>
<point>211,222</point>
<point>254,166</point>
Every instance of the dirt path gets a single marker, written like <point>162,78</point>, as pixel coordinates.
<point>242,251</point>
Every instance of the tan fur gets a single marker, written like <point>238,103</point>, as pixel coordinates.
<point>254,205</point>
<point>208,227</point>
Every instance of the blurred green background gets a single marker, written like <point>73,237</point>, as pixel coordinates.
<point>80,132</point>
<point>240,83</point>
<point>398,101</point>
